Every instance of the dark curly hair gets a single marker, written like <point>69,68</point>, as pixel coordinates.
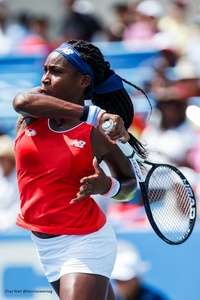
<point>116,102</point>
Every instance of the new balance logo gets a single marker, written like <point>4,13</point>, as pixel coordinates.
<point>79,144</point>
<point>30,132</point>
<point>67,51</point>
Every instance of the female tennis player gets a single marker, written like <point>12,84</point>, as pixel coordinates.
<point>58,151</point>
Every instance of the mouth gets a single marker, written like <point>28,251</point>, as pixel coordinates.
<point>43,91</point>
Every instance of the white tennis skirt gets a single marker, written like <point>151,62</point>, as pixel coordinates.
<point>93,253</point>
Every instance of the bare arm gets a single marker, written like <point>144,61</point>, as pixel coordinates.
<point>35,104</point>
<point>120,168</point>
<point>38,105</point>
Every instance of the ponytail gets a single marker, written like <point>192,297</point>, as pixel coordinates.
<point>109,92</point>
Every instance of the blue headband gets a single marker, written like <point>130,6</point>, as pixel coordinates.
<point>74,58</point>
<point>111,84</point>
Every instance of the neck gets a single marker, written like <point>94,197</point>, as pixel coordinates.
<point>59,122</point>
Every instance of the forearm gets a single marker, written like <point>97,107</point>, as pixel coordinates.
<point>38,105</point>
<point>127,190</point>
<point>121,190</point>
<point>42,106</point>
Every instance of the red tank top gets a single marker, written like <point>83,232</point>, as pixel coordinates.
<point>49,168</point>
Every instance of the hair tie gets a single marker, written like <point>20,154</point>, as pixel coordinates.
<point>111,84</point>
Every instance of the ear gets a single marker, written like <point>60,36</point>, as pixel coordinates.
<point>85,82</point>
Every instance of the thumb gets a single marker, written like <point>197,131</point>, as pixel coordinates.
<point>96,165</point>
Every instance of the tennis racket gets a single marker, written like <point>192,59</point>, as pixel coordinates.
<point>168,198</point>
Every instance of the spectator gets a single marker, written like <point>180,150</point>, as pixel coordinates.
<point>170,137</point>
<point>174,23</point>
<point>144,29</point>
<point>80,22</point>
<point>36,41</point>
<point>128,275</point>
<point>187,75</point>
<point>193,46</point>
<point>9,198</point>
<point>5,41</point>
<point>170,134</point>
<point>18,29</point>
<point>124,16</point>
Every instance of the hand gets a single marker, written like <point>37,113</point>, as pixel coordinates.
<point>98,183</point>
<point>118,131</point>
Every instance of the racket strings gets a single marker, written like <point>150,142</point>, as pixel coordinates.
<point>169,203</point>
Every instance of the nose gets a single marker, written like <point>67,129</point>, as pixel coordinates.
<point>45,79</point>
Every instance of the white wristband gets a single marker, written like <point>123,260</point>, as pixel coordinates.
<point>94,114</point>
<point>114,189</point>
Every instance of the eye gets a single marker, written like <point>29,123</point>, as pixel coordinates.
<point>44,70</point>
<point>55,71</point>
<point>52,70</point>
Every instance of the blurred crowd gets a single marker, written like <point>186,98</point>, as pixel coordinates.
<point>174,26</point>
<point>172,132</point>
<point>128,275</point>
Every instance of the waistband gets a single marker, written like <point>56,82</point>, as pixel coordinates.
<point>44,235</point>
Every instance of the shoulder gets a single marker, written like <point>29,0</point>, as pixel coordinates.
<point>24,121</point>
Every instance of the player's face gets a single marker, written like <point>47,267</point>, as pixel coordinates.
<point>62,80</point>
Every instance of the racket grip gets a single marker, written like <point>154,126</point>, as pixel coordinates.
<point>126,148</point>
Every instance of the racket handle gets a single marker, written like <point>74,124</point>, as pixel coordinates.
<point>126,148</point>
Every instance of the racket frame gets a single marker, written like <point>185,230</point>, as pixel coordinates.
<point>143,184</point>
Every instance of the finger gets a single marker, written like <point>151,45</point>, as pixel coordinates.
<point>85,188</point>
<point>117,130</point>
<point>80,196</point>
<point>84,191</point>
<point>77,199</point>
<point>90,179</point>
<point>125,138</point>
<point>106,116</point>
<point>96,166</point>
<point>86,179</point>
<point>121,134</point>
